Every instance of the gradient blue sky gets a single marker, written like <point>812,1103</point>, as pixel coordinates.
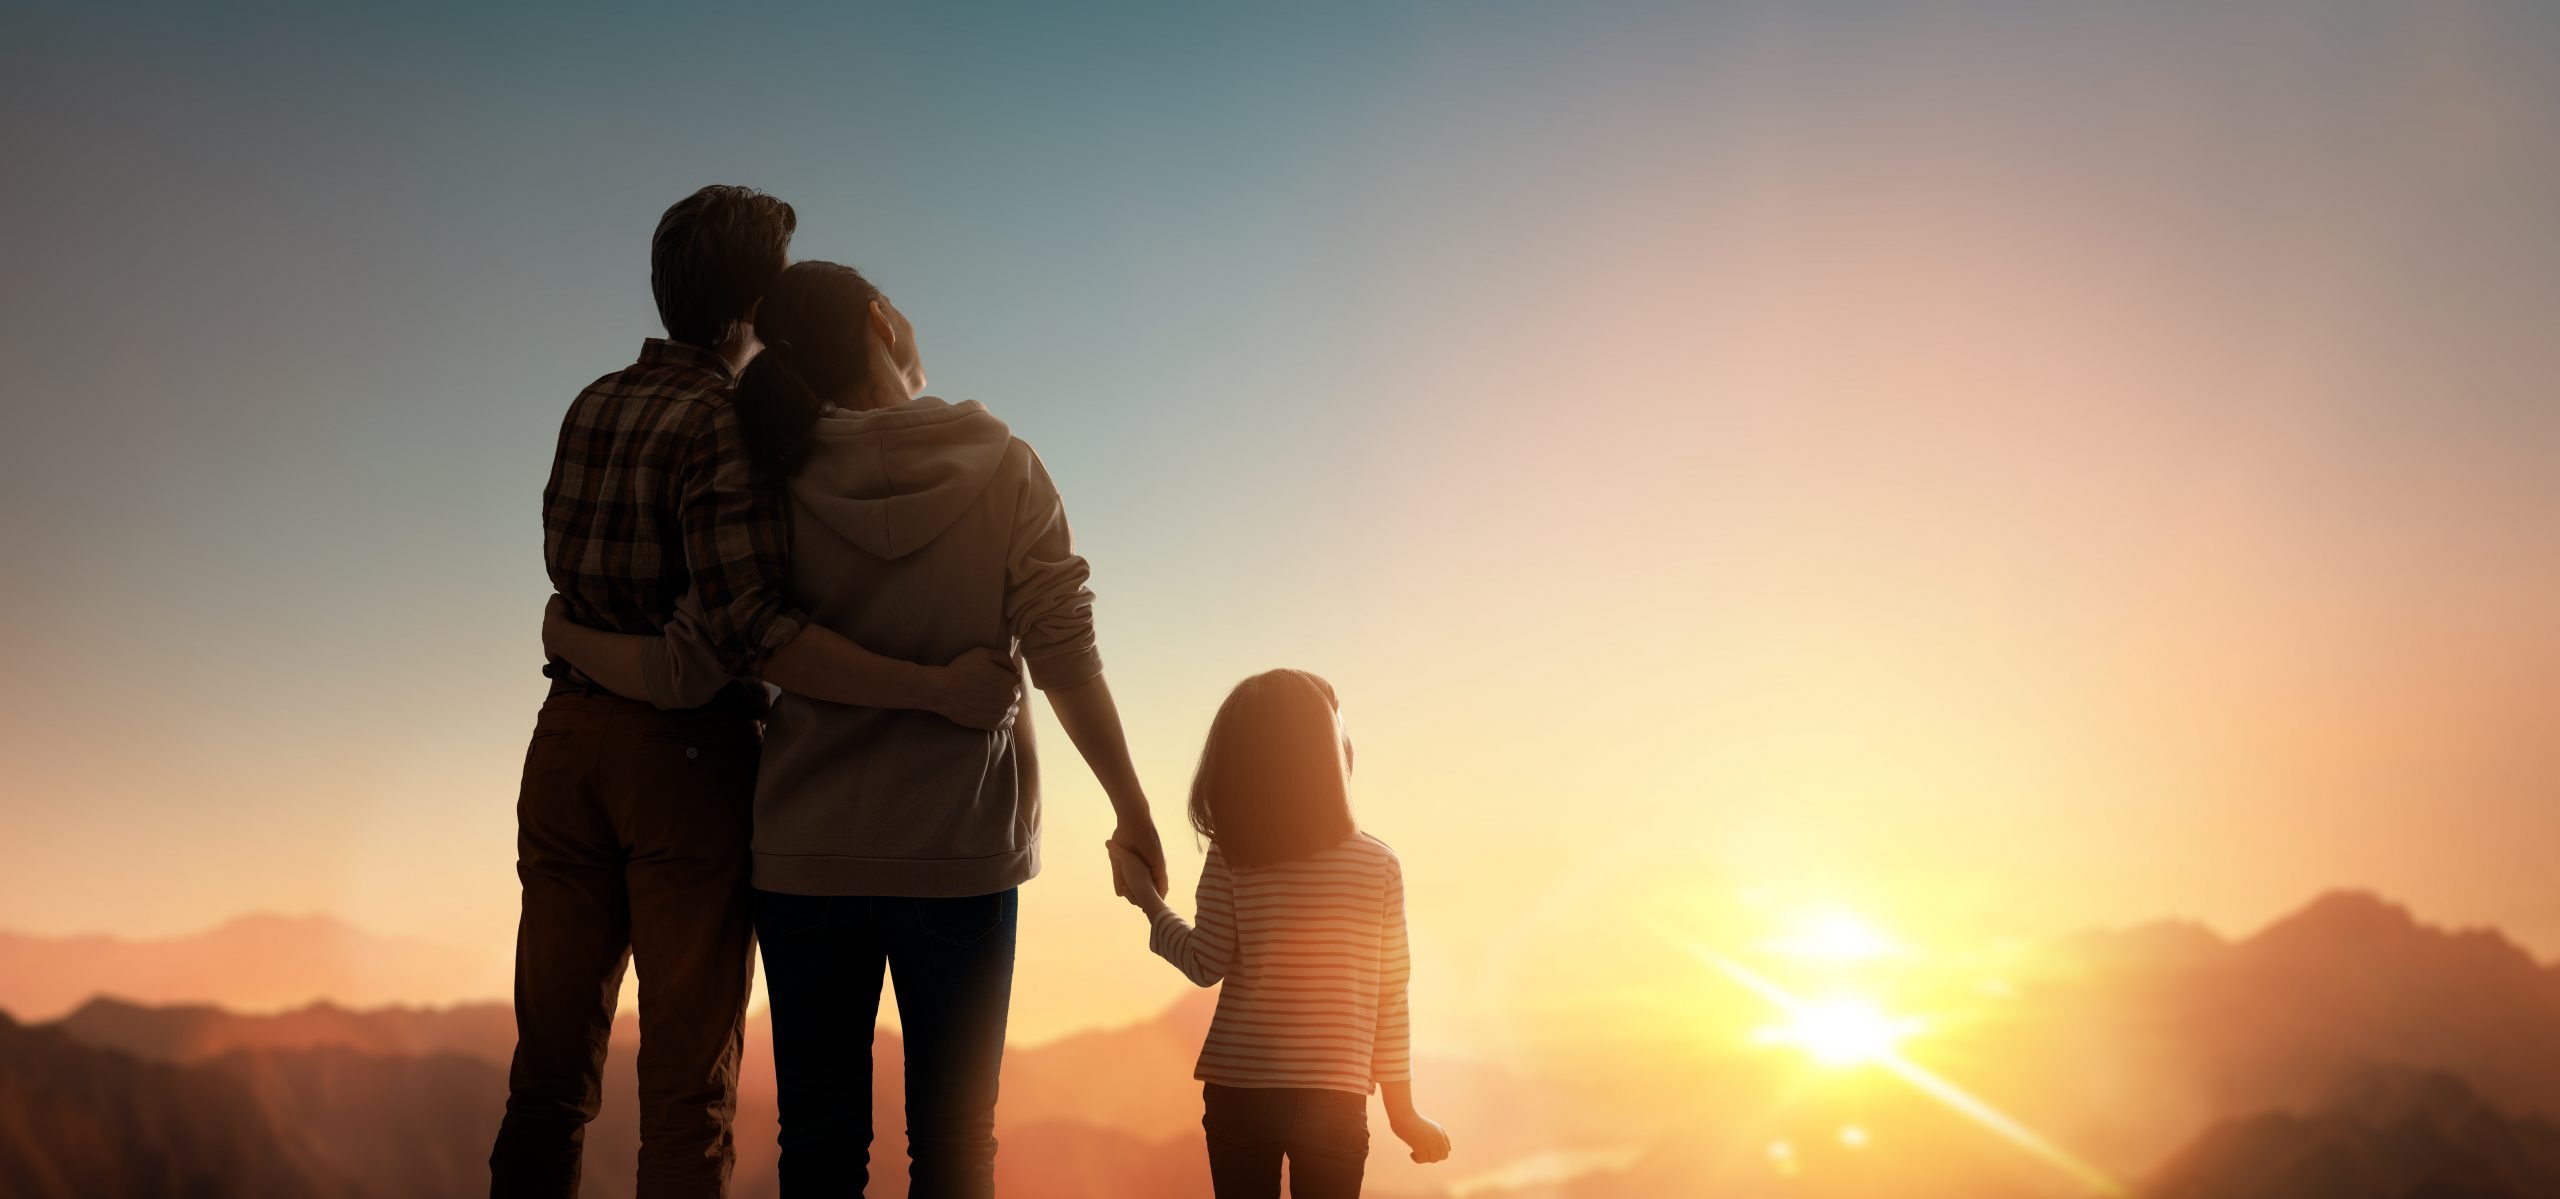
<point>2006,465</point>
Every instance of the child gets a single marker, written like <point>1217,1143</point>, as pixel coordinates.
<point>1302,915</point>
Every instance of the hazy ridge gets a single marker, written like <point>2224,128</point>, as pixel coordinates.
<point>2348,1051</point>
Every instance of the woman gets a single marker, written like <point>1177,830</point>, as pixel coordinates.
<point>892,838</point>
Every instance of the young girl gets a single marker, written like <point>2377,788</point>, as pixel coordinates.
<point>1302,916</point>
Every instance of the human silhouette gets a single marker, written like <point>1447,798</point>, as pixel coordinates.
<point>632,820</point>
<point>1301,925</point>
<point>890,839</point>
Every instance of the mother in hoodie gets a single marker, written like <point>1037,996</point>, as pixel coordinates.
<point>888,838</point>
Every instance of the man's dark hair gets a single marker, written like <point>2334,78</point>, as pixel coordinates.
<point>714,253</point>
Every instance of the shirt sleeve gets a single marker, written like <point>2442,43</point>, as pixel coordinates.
<point>679,666</point>
<point>1205,952</point>
<point>1391,1056</point>
<point>737,547</point>
<point>1046,602</point>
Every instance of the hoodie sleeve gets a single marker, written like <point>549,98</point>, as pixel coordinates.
<point>1046,602</point>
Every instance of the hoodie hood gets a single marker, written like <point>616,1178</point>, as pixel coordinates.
<point>891,480</point>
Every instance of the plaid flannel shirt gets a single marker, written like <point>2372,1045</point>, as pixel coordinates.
<point>652,494</point>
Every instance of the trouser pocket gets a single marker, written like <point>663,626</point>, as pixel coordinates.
<point>966,920</point>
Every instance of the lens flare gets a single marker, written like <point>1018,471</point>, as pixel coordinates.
<point>1842,1030</point>
<point>1863,1032</point>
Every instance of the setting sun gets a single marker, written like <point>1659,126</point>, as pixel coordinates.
<point>1840,1031</point>
<point>1843,1029</point>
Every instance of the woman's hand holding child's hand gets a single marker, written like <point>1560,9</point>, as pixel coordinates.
<point>1134,878</point>
<point>1138,836</point>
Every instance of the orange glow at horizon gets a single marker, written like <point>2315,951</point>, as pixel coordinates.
<point>1845,1031</point>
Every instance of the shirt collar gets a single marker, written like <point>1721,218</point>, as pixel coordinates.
<point>658,351</point>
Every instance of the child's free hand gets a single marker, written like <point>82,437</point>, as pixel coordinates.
<point>1134,877</point>
<point>1422,1134</point>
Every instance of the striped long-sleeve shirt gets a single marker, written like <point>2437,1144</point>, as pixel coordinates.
<point>1312,954</point>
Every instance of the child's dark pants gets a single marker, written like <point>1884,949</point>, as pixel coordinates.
<point>1324,1135</point>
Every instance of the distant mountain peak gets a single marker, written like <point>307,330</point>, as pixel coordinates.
<point>2353,921</point>
<point>2352,925</point>
<point>2387,1132</point>
<point>115,1007</point>
<point>2345,914</point>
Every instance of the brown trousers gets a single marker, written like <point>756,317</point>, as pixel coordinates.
<point>631,841</point>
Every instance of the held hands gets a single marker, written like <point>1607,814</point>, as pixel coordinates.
<point>1420,1133</point>
<point>981,689</point>
<point>1137,834</point>
<point>1134,877</point>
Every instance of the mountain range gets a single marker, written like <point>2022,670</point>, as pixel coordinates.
<point>253,963</point>
<point>2347,1051</point>
<point>2134,1040</point>
<point>2387,1133</point>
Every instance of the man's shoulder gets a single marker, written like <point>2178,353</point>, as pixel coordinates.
<point>661,383</point>
<point>646,396</point>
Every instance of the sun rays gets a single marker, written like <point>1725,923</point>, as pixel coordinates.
<point>1841,1029</point>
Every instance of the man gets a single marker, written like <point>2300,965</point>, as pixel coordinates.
<point>632,822</point>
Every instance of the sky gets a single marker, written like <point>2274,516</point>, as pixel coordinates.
<point>2003,467</point>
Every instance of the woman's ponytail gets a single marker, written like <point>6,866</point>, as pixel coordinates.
<point>777,411</point>
<point>816,326</point>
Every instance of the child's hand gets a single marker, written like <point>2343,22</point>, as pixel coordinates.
<point>1138,835</point>
<point>1422,1134</point>
<point>1136,878</point>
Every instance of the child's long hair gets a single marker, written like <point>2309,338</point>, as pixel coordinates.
<point>1271,787</point>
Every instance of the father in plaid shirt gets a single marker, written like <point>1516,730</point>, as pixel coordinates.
<point>651,491</point>
<point>632,822</point>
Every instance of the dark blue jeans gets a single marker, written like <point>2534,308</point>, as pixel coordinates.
<point>952,963</point>
<point>1323,1135</point>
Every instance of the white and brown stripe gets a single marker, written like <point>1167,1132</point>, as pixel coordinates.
<point>1312,954</point>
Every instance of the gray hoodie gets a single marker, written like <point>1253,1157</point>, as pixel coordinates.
<point>919,531</point>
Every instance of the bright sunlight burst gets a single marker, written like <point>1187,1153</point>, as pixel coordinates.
<point>1842,1030</point>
